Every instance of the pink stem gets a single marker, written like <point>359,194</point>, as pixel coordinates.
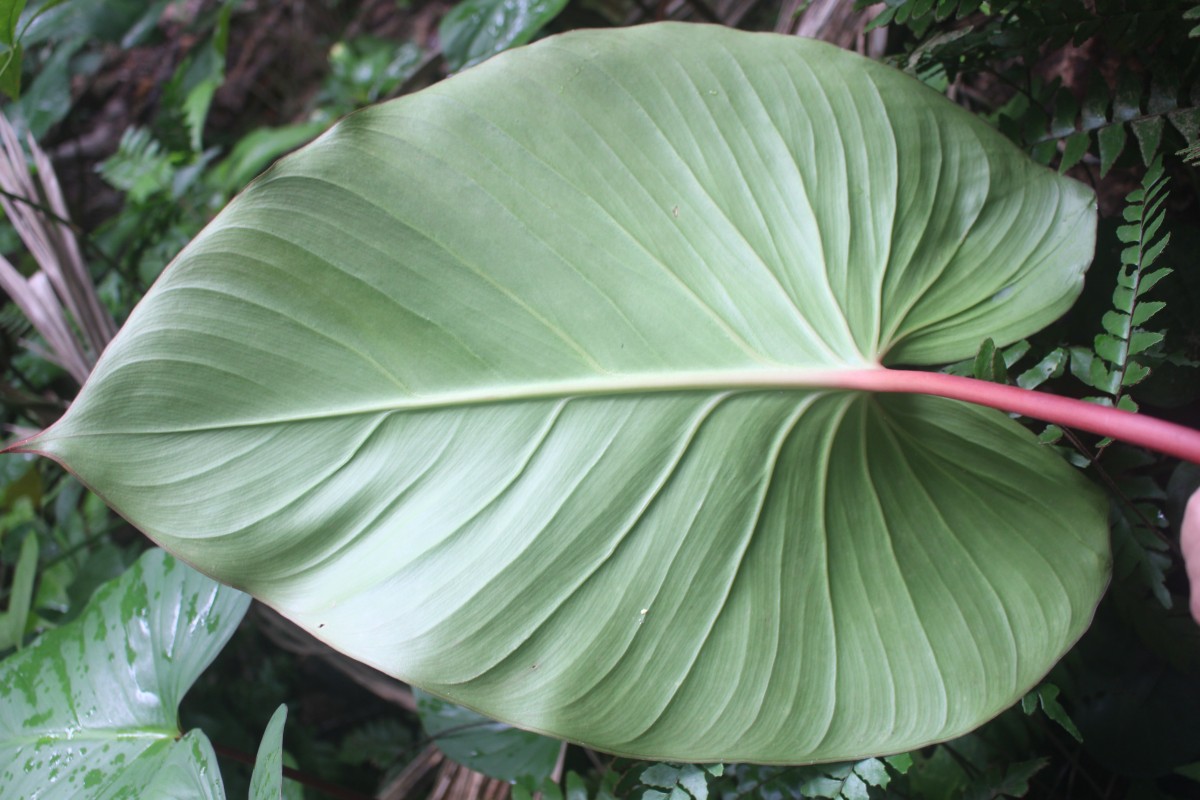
<point>1154,434</point>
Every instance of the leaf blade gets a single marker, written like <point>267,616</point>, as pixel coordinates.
<point>660,324</point>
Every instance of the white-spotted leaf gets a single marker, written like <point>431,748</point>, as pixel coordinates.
<point>90,709</point>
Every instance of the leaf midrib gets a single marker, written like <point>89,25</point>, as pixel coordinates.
<point>92,735</point>
<point>790,379</point>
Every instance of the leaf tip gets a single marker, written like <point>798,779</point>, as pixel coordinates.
<point>27,444</point>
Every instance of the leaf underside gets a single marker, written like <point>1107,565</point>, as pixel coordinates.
<point>525,389</point>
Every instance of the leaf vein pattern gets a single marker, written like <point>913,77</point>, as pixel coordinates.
<point>823,527</point>
<point>984,305</point>
<point>502,581</point>
<point>884,258</point>
<point>945,295</point>
<point>363,244</point>
<point>881,510</point>
<point>782,198</point>
<point>519,468</point>
<point>315,484</point>
<point>350,537</point>
<point>763,261</point>
<point>215,467</point>
<point>818,92</point>
<point>515,178</point>
<point>252,345</point>
<point>635,176</point>
<point>624,385</point>
<point>475,269</point>
<point>637,514</point>
<point>190,363</point>
<point>860,423</point>
<point>754,529</point>
<point>900,315</point>
<point>950,475</point>
<point>865,238</point>
<point>985,469</point>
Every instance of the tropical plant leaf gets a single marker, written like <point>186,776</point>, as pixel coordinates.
<point>15,618</point>
<point>485,745</point>
<point>266,783</point>
<point>10,71</point>
<point>475,30</point>
<point>683,781</point>
<point>536,389</point>
<point>89,709</point>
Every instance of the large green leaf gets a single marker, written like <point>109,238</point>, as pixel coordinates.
<point>89,710</point>
<point>531,389</point>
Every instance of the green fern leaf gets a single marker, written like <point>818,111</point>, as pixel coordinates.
<point>1127,101</point>
<point>1094,112</point>
<point>1110,348</point>
<point>990,363</point>
<point>140,167</point>
<point>1112,365</point>
<point>1151,278</point>
<point>1141,341</point>
<point>1127,403</point>
<point>1074,149</point>
<point>1066,109</point>
<point>1149,133</point>
<point>1151,255</point>
<point>1117,323</point>
<point>1112,142</point>
<point>1052,121</point>
<point>1051,366</point>
<point>1187,122</point>
<point>1135,373</point>
<point>968,7</point>
<point>1145,311</point>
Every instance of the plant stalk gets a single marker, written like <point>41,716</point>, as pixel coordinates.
<point>1153,434</point>
<point>1138,429</point>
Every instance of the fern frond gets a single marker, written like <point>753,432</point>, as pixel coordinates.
<point>1108,115</point>
<point>918,15</point>
<point>1193,14</point>
<point>1149,103</point>
<point>1003,29</point>
<point>838,781</point>
<point>1116,362</point>
<point>140,167</point>
<point>13,324</point>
